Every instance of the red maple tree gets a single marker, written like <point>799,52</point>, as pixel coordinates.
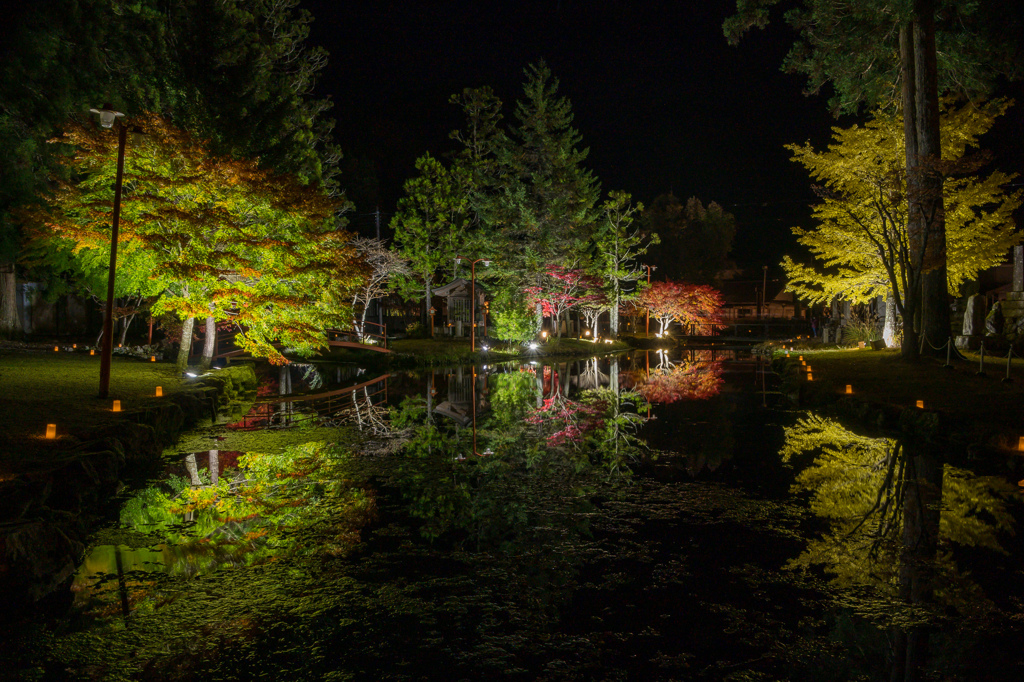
<point>672,301</point>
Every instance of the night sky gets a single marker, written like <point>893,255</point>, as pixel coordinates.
<point>660,98</point>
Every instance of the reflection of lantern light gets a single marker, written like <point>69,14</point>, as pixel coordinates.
<point>117,406</point>
<point>159,391</point>
<point>51,430</point>
<point>920,404</point>
<point>849,388</point>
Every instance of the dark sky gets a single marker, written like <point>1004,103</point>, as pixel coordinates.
<point>660,98</point>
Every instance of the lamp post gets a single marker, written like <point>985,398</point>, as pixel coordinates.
<point>107,118</point>
<point>647,326</point>
<point>432,311</point>
<point>472,297</point>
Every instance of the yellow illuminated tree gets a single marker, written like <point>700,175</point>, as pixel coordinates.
<point>861,241</point>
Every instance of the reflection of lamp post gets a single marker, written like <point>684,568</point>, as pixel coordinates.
<point>647,330</point>
<point>107,118</point>
<point>432,311</point>
<point>472,299</point>
<point>488,451</point>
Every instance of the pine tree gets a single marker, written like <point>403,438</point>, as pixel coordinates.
<point>429,221</point>
<point>539,202</point>
<point>617,244</point>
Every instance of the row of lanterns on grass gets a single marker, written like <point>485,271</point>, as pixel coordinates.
<point>51,429</point>
<point>92,351</point>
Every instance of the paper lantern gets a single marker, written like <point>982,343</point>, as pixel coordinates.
<point>74,345</point>
<point>159,391</point>
<point>152,358</point>
<point>849,388</point>
<point>92,352</point>
<point>117,406</point>
<point>51,430</point>
<point>920,404</point>
<point>55,349</point>
<point>810,377</point>
<point>1020,444</point>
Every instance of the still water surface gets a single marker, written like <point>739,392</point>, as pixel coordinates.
<point>646,517</point>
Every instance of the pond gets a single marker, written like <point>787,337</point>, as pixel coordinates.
<point>651,516</point>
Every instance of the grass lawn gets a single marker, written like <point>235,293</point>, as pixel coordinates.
<point>60,388</point>
<point>982,403</point>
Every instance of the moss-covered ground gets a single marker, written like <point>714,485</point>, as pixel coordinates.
<point>60,388</point>
<point>979,405</point>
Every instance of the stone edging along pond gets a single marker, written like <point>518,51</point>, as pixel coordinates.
<point>47,515</point>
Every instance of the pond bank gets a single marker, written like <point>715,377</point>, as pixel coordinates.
<point>52,494</point>
<point>962,411</point>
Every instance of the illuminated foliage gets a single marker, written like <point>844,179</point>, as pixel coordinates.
<point>563,290</point>
<point>221,236</point>
<point>671,301</point>
<point>862,240</point>
<point>672,382</point>
<point>617,245</point>
<point>858,485</point>
<point>428,222</point>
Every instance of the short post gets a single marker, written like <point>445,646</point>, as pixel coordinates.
<point>1007,378</point>
<point>981,363</point>
<point>949,351</point>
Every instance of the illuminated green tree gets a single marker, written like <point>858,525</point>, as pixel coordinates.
<point>226,239</point>
<point>862,238</point>
<point>878,51</point>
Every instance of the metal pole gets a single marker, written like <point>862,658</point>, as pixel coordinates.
<point>647,330</point>
<point>108,315</point>
<point>472,317</point>
<point>981,363</point>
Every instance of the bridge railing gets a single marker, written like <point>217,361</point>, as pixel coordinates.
<point>285,410</point>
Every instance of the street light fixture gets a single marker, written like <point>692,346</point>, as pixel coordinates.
<point>472,299</point>
<point>107,118</point>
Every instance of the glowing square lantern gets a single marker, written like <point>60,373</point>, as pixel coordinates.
<point>152,358</point>
<point>1020,444</point>
<point>849,388</point>
<point>51,430</point>
<point>55,349</point>
<point>117,406</point>
<point>810,377</point>
<point>159,391</point>
<point>920,404</point>
<point>92,352</point>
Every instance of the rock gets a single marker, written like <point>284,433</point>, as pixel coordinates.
<point>994,320</point>
<point>974,316</point>
<point>878,344</point>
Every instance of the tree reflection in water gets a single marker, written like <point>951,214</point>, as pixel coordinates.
<point>895,517</point>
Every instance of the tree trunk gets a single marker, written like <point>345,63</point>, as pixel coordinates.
<point>922,502</point>
<point>209,343</point>
<point>926,225</point>
<point>10,323</point>
<point>889,328</point>
<point>126,322</point>
<point>186,343</point>
<point>613,314</point>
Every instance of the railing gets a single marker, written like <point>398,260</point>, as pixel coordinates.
<point>280,411</point>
